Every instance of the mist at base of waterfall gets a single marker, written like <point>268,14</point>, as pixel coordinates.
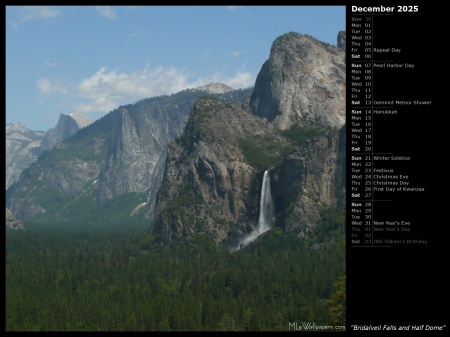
<point>266,214</point>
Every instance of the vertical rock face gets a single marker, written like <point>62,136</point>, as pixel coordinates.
<point>135,149</point>
<point>341,40</point>
<point>303,82</point>
<point>310,179</point>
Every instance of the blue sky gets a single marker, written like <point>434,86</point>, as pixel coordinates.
<point>90,60</point>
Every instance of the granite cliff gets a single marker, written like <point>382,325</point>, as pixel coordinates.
<point>302,82</point>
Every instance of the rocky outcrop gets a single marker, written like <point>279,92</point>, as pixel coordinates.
<point>67,126</point>
<point>12,222</point>
<point>303,83</point>
<point>215,88</point>
<point>209,186</point>
<point>341,40</point>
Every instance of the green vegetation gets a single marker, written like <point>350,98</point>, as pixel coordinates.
<point>299,135</point>
<point>85,209</point>
<point>107,278</point>
<point>187,197</point>
<point>182,205</point>
<point>261,152</point>
<point>331,227</point>
<point>326,45</point>
<point>337,302</point>
<point>268,152</point>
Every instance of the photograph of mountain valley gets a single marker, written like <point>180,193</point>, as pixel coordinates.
<point>175,168</point>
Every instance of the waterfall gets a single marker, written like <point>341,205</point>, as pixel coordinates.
<point>266,213</point>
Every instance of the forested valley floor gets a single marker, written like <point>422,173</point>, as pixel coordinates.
<point>116,279</point>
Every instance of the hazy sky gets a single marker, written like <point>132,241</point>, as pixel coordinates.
<point>90,60</point>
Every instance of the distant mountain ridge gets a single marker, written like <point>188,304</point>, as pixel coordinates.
<point>215,88</point>
<point>111,169</point>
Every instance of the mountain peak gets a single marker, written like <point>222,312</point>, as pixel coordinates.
<point>68,125</point>
<point>215,88</point>
<point>302,82</point>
